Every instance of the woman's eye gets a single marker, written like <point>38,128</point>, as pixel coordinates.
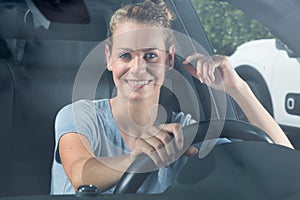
<point>125,56</point>
<point>151,57</point>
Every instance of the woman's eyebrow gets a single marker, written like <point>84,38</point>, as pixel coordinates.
<point>154,49</point>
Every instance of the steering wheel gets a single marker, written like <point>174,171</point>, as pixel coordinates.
<point>233,129</point>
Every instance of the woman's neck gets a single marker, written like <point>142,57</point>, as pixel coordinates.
<point>133,117</point>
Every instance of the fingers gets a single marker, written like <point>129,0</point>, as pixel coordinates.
<point>193,71</point>
<point>158,143</point>
<point>205,66</point>
<point>155,149</point>
<point>167,151</point>
<point>176,130</point>
<point>191,151</point>
<point>141,146</point>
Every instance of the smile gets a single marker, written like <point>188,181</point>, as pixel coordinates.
<point>138,83</point>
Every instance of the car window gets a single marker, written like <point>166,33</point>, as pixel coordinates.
<point>261,59</point>
<point>228,27</point>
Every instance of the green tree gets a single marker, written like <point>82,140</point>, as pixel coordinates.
<point>226,26</point>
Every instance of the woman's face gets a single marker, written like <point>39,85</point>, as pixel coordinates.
<point>138,60</point>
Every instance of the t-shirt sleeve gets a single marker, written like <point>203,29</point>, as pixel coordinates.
<point>78,117</point>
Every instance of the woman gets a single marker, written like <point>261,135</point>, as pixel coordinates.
<point>98,140</point>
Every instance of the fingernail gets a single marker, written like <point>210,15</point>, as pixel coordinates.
<point>195,151</point>
<point>200,79</point>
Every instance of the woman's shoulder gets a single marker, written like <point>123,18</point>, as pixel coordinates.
<point>84,106</point>
<point>86,103</point>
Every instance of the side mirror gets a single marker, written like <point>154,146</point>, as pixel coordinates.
<point>281,46</point>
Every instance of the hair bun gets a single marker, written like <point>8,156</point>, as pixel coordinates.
<point>162,6</point>
<point>155,12</point>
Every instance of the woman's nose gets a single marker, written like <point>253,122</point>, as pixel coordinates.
<point>138,65</point>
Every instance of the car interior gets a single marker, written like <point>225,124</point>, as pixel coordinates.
<point>38,69</point>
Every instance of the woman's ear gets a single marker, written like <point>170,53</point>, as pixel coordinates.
<point>171,56</point>
<point>108,57</point>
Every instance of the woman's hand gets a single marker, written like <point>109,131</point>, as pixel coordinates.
<point>158,143</point>
<point>215,71</point>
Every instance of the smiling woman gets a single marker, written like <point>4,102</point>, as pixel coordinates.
<point>98,140</point>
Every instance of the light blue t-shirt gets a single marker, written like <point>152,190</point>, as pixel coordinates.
<point>94,120</point>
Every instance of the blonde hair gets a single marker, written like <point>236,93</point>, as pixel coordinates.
<point>147,12</point>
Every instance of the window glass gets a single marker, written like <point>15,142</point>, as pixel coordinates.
<point>226,26</point>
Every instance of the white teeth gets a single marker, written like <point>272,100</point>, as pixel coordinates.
<point>138,82</point>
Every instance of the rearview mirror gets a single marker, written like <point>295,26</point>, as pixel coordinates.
<point>60,11</point>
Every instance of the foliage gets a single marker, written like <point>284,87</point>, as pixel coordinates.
<point>226,26</point>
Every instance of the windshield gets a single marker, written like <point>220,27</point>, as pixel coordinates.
<point>88,87</point>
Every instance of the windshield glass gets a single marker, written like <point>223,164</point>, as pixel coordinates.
<point>161,97</point>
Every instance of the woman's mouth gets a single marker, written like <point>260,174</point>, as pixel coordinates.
<point>138,84</point>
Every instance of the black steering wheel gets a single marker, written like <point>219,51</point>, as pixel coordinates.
<point>233,129</point>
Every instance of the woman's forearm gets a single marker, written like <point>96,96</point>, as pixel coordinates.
<point>257,114</point>
<point>103,173</point>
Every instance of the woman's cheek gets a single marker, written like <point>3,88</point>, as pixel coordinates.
<point>119,70</point>
<point>159,73</point>
<point>117,74</point>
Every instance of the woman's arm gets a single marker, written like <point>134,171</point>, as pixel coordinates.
<point>83,168</point>
<point>217,72</point>
<point>257,114</point>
